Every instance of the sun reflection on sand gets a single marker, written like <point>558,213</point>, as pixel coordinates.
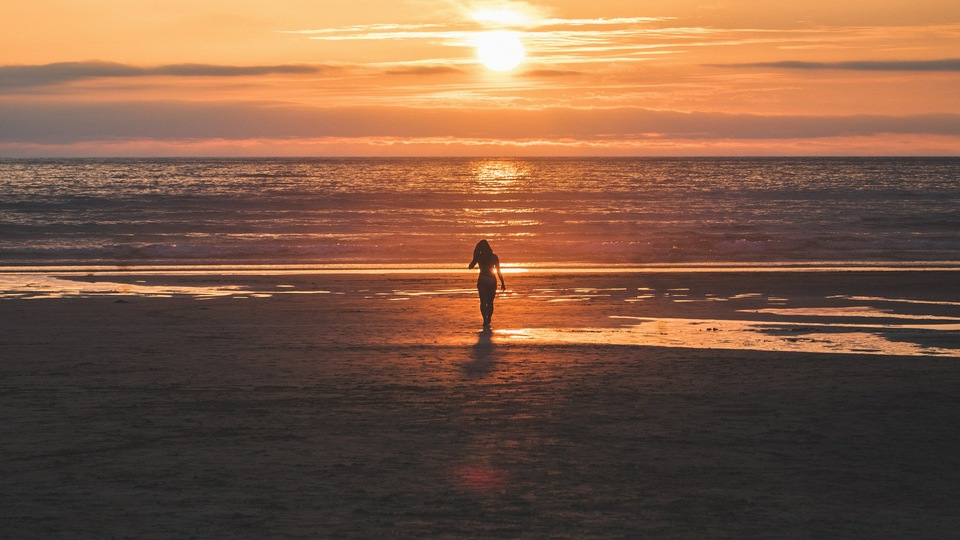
<point>818,337</point>
<point>480,478</point>
<point>852,311</point>
<point>38,287</point>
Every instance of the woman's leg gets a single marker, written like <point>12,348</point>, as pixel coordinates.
<point>486,304</point>
<point>487,293</point>
<point>486,309</point>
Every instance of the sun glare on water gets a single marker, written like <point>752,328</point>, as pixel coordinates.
<point>500,50</point>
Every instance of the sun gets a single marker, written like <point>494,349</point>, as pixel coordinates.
<point>500,50</point>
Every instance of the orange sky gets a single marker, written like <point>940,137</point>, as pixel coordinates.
<point>401,77</point>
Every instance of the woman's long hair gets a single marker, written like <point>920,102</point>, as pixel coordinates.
<point>482,252</point>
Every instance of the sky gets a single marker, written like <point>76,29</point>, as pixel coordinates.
<point>403,78</point>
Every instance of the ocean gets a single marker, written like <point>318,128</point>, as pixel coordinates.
<point>548,212</point>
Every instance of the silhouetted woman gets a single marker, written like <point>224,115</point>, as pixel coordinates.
<point>487,282</point>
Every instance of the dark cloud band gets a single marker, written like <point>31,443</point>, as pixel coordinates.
<point>946,64</point>
<point>40,122</point>
<point>65,72</point>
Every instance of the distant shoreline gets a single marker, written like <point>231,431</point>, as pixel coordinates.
<point>452,268</point>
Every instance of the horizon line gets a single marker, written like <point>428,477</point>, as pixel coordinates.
<point>490,156</point>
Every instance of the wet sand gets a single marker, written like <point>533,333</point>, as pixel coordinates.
<point>608,405</point>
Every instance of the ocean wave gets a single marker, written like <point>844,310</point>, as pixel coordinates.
<point>534,211</point>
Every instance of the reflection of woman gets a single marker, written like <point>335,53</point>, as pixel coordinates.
<point>487,282</point>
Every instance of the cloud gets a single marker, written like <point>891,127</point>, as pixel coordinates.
<point>380,32</point>
<point>424,70</point>
<point>65,72</point>
<point>589,37</point>
<point>41,122</point>
<point>364,29</point>
<point>946,64</point>
<point>604,21</point>
<point>550,73</point>
<point>208,70</point>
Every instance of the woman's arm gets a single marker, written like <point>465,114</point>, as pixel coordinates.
<point>503,286</point>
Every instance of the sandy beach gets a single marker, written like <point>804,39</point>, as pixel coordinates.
<point>608,405</point>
